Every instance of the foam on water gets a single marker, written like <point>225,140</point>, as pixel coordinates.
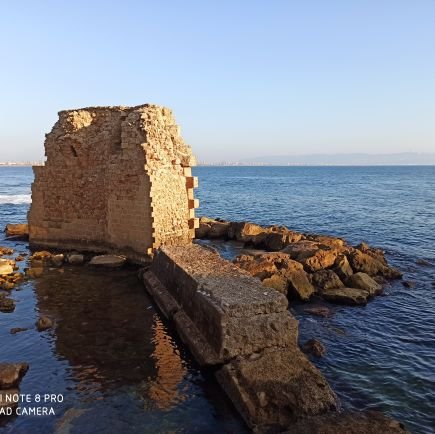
<point>15,199</point>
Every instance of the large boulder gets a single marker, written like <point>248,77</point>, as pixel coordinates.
<point>109,261</point>
<point>276,388</point>
<point>349,296</point>
<point>218,230</point>
<point>325,279</point>
<point>244,231</point>
<point>302,249</point>
<point>364,281</point>
<point>277,282</point>
<point>6,267</point>
<point>321,259</point>
<point>256,266</point>
<point>299,286</point>
<point>11,374</point>
<point>75,258</point>
<point>365,263</point>
<point>17,230</point>
<point>327,240</point>
<point>342,267</point>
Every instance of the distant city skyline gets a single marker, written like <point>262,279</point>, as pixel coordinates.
<point>244,79</point>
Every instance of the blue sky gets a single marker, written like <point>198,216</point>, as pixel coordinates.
<point>244,78</point>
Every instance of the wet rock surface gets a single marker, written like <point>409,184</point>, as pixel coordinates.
<point>304,265</point>
<point>314,347</point>
<point>110,261</point>
<point>44,323</point>
<point>11,374</point>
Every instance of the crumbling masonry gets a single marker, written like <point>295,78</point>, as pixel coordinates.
<point>116,179</point>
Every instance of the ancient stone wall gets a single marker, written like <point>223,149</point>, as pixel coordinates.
<point>115,179</point>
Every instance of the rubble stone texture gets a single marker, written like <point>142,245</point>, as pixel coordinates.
<point>116,179</point>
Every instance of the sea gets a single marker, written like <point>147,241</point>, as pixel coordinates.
<point>112,364</point>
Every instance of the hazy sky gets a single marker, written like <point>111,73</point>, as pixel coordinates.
<point>244,78</point>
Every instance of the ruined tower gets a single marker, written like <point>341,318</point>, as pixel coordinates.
<point>116,179</point>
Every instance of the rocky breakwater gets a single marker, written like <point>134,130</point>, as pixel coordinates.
<point>303,265</point>
<point>230,321</point>
<point>245,333</point>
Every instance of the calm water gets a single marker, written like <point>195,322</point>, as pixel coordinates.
<point>122,369</point>
<point>381,356</point>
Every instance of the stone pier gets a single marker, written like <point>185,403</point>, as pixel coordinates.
<point>230,321</point>
<point>116,179</point>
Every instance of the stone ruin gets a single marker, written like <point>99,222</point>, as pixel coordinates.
<point>116,179</point>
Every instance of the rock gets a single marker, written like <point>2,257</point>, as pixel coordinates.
<point>349,296</point>
<point>57,260</point>
<point>365,263</point>
<point>203,230</point>
<point>377,254</point>
<point>258,267</point>
<point>19,258</point>
<point>348,422</point>
<point>326,240</point>
<point>13,230</point>
<point>322,311</point>
<point>4,404</point>
<point>7,305</point>
<point>276,388</point>
<point>302,249</point>
<point>34,272</point>
<point>423,262</point>
<point>16,330</point>
<point>7,286</point>
<point>44,323</point>
<point>244,231</point>
<point>75,258</point>
<point>275,241</point>
<point>277,282</point>
<point>111,261</point>
<point>342,267</point>
<point>319,260</point>
<point>314,347</point>
<point>41,256</point>
<point>325,279</point>
<point>11,374</point>
<point>299,286</point>
<point>364,281</point>
<point>218,230</point>
<point>6,267</point>
<point>6,251</point>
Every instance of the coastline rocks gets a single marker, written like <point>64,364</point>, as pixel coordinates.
<point>348,296</point>
<point>13,230</point>
<point>322,311</point>
<point>320,259</point>
<point>111,261</point>
<point>57,260</point>
<point>277,282</point>
<point>245,232</point>
<point>364,281</point>
<point>11,374</point>
<point>43,323</point>
<point>314,347</point>
<point>348,422</point>
<point>342,267</point>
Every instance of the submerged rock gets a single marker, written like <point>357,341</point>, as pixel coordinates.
<point>349,296</point>
<point>75,258</point>
<point>7,305</point>
<point>314,347</point>
<point>111,261</point>
<point>322,311</point>
<point>349,422</point>
<point>44,323</point>
<point>15,330</point>
<point>11,374</point>
<point>408,284</point>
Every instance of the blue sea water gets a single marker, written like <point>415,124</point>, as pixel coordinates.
<point>381,356</point>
